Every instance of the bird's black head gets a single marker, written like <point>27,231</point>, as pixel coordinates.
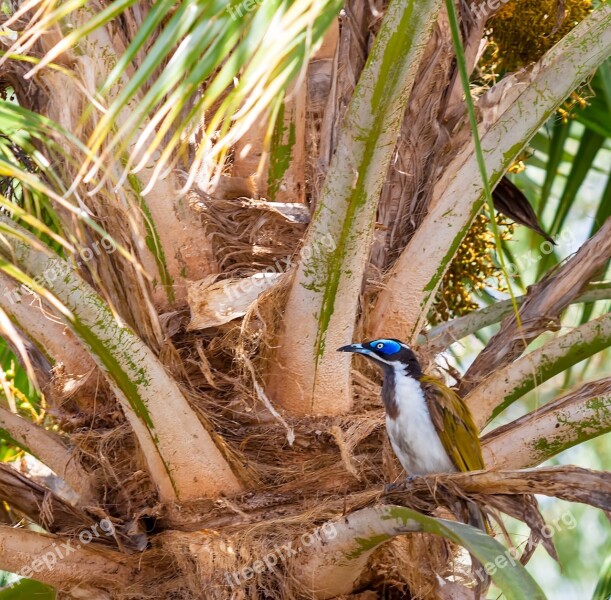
<point>388,354</point>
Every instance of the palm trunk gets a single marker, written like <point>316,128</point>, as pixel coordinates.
<point>307,376</point>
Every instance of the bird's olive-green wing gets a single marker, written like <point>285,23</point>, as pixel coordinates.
<point>455,425</point>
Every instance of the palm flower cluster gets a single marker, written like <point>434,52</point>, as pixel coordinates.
<point>524,30</point>
<point>472,269</point>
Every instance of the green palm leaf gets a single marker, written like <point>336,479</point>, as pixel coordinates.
<point>30,589</point>
<point>504,569</point>
<point>244,67</point>
<point>603,587</point>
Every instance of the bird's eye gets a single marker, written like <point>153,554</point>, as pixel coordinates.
<point>380,346</point>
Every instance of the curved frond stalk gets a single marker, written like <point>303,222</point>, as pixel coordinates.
<point>64,566</point>
<point>182,458</point>
<point>49,449</point>
<point>439,338</point>
<point>506,385</point>
<point>565,422</point>
<point>43,505</point>
<point>403,304</point>
<point>569,483</point>
<point>308,375</point>
<point>52,337</point>
<point>161,218</point>
<point>542,307</point>
<point>332,567</point>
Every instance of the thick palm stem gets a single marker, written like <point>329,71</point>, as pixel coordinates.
<point>183,460</point>
<point>58,562</point>
<point>49,449</point>
<point>504,386</point>
<point>308,376</point>
<point>534,438</point>
<point>403,305</point>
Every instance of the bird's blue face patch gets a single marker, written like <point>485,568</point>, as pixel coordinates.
<point>385,346</point>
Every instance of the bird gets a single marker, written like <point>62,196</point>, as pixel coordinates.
<point>509,200</point>
<point>430,428</point>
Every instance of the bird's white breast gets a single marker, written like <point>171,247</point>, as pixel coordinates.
<point>412,434</point>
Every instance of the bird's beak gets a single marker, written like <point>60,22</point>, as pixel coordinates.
<point>356,348</point>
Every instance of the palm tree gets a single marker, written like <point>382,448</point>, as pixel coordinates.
<point>201,202</point>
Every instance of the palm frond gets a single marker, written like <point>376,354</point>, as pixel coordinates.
<point>246,58</point>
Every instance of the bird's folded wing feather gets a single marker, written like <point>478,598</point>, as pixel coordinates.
<point>454,423</point>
